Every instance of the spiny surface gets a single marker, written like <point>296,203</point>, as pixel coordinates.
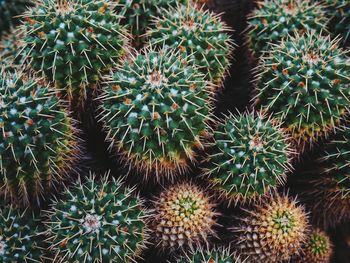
<point>273,231</point>
<point>155,109</point>
<point>10,47</point>
<point>198,34</point>
<point>37,139</point>
<point>204,255</point>
<point>184,216</point>
<point>97,222</point>
<point>304,82</point>
<point>73,42</point>
<point>248,156</point>
<point>274,20</point>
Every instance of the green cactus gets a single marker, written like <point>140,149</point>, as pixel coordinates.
<point>97,221</point>
<point>10,47</point>
<point>154,109</point>
<point>21,236</point>
<point>196,33</point>
<point>274,230</point>
<point>204,255</point>
<point>248,156</point>
<point>304,82</point>
<point>73,43</point>
<point>183,216</point>
<point>274,20</point>
<point>38,140</point>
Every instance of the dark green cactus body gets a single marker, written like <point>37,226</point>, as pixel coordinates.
<point>154,109</point>
<point>249,156</point>
<point>37,142</point>
<point>304,82</point>
<point>73,42</point>
<point>97,222</point>
<point>204,255</point>
<point>198,34</point>
<point>10,47</point>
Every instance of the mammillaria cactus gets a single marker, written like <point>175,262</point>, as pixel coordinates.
<point>274,20</point>
<point>184,216</point>
<point>73,42</point>
<point>97,221</point>
<point>205,255</point>
<point>304,82</point>
<point>196,33</point>
<point>154,109</point>
<point>273,231</point>
<point>249,155</point>
<point>21,236</point>
<point>38,140</point>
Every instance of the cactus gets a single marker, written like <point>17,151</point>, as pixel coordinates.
<point>274,20</point>
<point>10,47</point>
<point>154,109</point>
<point>9,11</point>
<point>184,216</point>
<point>217,255</point>
<point>304,83</point>
<point>38,140</point>
<point>318,248</point>
<point>73,43</point>
<point>21,236</point>
<point>273,230</point>
<point>248,156</point>
<point>196,33</point>
<point>97,221</point>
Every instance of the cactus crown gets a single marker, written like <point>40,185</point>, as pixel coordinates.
<point>304,82</point>
<point>318,249</point>
<point>196,33</point>
<point>249,156</point>
<point>183,216</point>
<point>73,42</point>
<point>274,20</point>
<point>37,142</point>
<point>155,109</point>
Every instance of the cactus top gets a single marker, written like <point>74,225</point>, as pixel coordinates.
<point>37,139</point>
<point>248,156</point>
<point>304,82</point>
<point>97,222</point>
<point>155,109</point>
<point>217,255</point>
<point>73,42</point>
<point>273,20</point>
<point>197,33</point>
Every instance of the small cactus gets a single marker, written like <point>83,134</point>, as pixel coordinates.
<point>274,20</point>
<point>196,33</point>
<point>274,230</point>
<point>184,216</point>
<point>249,155</point>
<point>304,83</point>
<point>154,109</point>
<point>97,221</point>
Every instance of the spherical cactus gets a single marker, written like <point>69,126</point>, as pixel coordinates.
<point>9,11</point>
<point>154,109</point>
<point>38,141</point>
<point>318,248</point>
<point>248,156</point>
<point>97,221</point>
<point>184,216</point>
<point>204,255</point>
<point>21,236</point>
<point>274,230</point>
<point>274,20</point>
<point>73,42</point>
<point>304,83</point>
<point>198,34</point>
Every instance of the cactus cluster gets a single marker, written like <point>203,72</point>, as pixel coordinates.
<point>154,109</point>
<point>216,255</point>
<point>184,216</point>
<point>38,139</point>
<point>248,157</point>
<point>198,34</point>
<point>304,82</point>
<point>97,221</point>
